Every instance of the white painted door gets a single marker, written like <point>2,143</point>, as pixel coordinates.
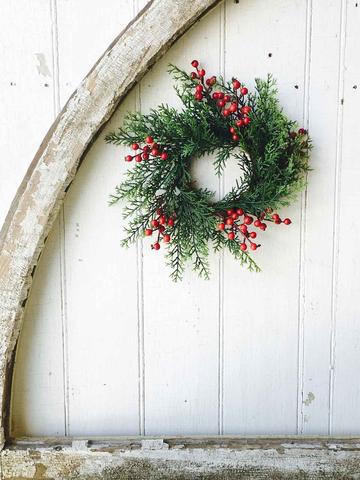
<point>110,345</point>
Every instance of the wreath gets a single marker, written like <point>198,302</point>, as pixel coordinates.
<point>223,119</point>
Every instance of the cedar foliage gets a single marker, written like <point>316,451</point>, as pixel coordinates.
<point>272,161</point>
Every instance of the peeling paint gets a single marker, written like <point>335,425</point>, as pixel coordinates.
<point>309,399</point>
<point>42,67</point>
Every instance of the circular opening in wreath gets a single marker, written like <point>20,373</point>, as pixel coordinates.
<point>204,176</point>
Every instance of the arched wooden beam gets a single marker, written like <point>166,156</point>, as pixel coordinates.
<point>43,189</point>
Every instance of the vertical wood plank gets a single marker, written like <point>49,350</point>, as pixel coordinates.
<point>37,400</point>
<point>26,90</point>
<point>181,320</point>
<point>261,310</point>
<point>346,360</point>
<point>324,103</point>
<point>100,278</point>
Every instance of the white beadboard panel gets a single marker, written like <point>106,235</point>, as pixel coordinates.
<point>181,320</point>
<point>346,310</point>
<point>38,388</point>
<point>26,89</point>
<point>110,345</point>
<point>316,291</point>
<point>100,278</point>
<point>101,300</point>
<point>29,91</point>
<point>86,29</point>
<point>261,310</point>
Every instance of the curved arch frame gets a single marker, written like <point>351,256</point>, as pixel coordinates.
<point>43,189</point>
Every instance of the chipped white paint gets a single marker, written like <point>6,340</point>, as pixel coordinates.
<point>56,162</point>
<point>185,458</point>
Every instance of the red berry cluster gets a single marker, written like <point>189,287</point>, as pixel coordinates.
<point>231,104</point>
<point>301,132</point>
<point>149,151</point>
<point>236,225</point>
<point>160,224</point>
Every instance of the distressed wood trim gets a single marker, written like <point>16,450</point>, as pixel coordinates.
<point>43,189</point>
<point>183,458</point>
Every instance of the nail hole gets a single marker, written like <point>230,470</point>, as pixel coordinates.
<point>356,4</point>
<point>270,54</point>
<point>296,86</point>
<point>355,87</point>
<point>46,84</point>
<point>12,84</point>
<point>342,101</point>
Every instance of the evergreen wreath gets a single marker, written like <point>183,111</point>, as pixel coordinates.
<point>224,119</point>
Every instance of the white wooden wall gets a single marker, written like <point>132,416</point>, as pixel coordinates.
<point>110,345</point>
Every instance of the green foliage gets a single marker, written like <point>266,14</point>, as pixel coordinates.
<point>272,160</point>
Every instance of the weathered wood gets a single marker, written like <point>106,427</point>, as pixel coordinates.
<point>54,166</point>
<point>180,458</point>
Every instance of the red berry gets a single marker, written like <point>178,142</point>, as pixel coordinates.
<point>146,149</point>
<point>212,80</point>
<point>128,158</point>
<point>227,98</point>
<point>138,158</point>
<point>232,130</point>
<point>302,131</point>
<point>161,228</point>
<point>243,246</point>
<point>159,211</point>
<point>215,95</point>
<point>226,112</point>
<point>253,246</point>
<point>229,221</point>
<point>199,88</point>
<point>220,95</point>
<point>278,221</point>
<point>230,211</point>
<point>221,103</point>
<point>148,232</point>
<point>156,246</point>
<point>233,108</point>
<point>155,152</point>
<point>246,121</point>
<point>253,234</point>
<point>263,226</point>
<point>207,81</point>
<point>239,123</point>
<point>145,156</point>
<point>243,229</point>
<point>135,146</point>
<point>234,216</point>
<point>235,137</point>
<point>221,226</point>
<point>244,91</point>
<point>149,140</point>
<point>198,96</point>
<point>231,235</point>
<point>164,156</point>
<point>166,238</point>
<point>201,73</point>
<point>236,84</point>
<point>171,222</point>
<point>154,223</point>
<point>240,211</point>
<point>248,220</point>
<point>275,216</point>
<point>287,221</point>
<point>193,75</point>
<point>162,220</point>
<point>195,63</point>
<point>246,109</point>
<point>257,223</point>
